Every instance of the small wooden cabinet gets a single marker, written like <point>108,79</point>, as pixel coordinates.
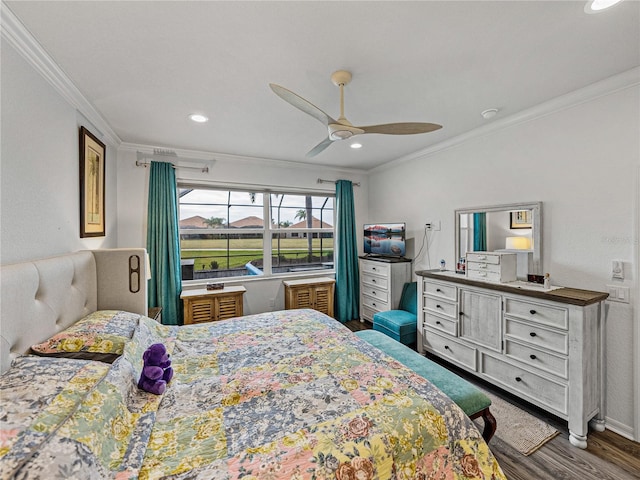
<point>315,293</point>
<point>212,305</point>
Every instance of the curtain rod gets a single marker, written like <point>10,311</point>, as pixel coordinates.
<point>320,180</point>
<point>204,169</point>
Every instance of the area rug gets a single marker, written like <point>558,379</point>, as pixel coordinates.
<point>518,428</point>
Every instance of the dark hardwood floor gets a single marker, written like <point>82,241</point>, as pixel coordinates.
<point>609,456</point>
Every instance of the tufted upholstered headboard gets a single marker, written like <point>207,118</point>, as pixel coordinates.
<point>42,297</point>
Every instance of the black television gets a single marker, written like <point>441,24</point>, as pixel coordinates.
<point>385,239</point>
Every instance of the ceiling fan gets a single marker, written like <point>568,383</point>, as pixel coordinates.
<point>341,129</point>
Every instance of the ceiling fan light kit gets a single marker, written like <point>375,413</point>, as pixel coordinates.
<point>341,129</point>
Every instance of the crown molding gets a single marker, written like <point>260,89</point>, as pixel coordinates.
<point>608,86</point>
<point>16,34</point>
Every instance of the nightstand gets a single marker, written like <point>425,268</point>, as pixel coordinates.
<point>316,293</point>
<point>211,305</point>
<point>156,313</point>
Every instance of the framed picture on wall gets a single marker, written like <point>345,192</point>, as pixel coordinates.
<point>92,181</point>
<point>520,219</point>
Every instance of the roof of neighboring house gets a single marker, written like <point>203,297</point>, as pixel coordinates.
<point>247,222</point>
<point>315,224</point>
<point>194,222</point>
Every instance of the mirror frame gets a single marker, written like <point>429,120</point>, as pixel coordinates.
<point>536,225</point>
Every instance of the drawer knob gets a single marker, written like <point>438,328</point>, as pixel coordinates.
<point>373,291</point>
<point>461,313</point>
<point>438,306</point>
<point>438,322</point>
<point>373,280</point>
<point>518,379</point>
<point>438,290</point>
<point>533,334</point>
<point>446,347</point>
<point>532,312</point>
<point>532,357</point>
<point>374,304</point>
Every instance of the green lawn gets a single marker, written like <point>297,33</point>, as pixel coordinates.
<point>254,243</point>
<point>243,250</point>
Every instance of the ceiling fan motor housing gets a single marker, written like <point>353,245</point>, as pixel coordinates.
<point>342,132</point>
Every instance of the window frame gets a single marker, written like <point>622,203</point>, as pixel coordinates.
<point>268,231</point>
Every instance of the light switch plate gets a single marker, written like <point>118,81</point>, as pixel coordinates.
<point>619,293</point>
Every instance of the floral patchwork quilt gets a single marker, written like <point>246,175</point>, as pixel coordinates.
<point>279,395</point>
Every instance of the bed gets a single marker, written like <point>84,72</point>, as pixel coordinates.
<point>290,394</point>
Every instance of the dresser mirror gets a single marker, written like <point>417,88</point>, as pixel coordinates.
<point>513,228</point>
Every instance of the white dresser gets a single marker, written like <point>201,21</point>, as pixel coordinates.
<point>542,346</point>
<point>381,285</point>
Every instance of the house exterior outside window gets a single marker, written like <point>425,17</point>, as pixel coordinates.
<point>223,232</point>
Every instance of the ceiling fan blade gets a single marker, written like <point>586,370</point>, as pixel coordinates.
<point>409,128</point>
<point>302,104</point>
<point>320,147</point>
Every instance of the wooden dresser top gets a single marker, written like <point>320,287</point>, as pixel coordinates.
<point>572,296</point>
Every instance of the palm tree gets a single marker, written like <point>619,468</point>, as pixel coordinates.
<point>215,222</point>
<point>307,214</point>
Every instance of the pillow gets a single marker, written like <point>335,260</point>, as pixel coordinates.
<point>101,335</point>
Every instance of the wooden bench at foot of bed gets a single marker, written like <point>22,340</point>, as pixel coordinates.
<point>469,398</point>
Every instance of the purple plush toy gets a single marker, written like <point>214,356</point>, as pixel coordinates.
<point>157,371</point>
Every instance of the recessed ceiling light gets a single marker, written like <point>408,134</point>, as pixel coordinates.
<point>596,6</point>
<point>198,118</point>
<point>489,113</point>
<point>356,145</point>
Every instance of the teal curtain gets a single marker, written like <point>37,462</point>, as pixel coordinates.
<point>480,232</point>
<point>346,255</point>
<point>163,243</point>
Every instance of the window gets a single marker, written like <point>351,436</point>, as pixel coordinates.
<point>223,233</point>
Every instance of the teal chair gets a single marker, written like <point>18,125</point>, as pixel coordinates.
<point>401,324</point>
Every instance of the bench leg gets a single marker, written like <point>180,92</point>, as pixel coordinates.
<point>490,423</point>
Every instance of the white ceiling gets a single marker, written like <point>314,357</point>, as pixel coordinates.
<point>146,65</point>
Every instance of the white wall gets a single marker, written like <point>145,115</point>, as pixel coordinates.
<point>227,170</point>
<point>581,162</point>
<point>39,169</point>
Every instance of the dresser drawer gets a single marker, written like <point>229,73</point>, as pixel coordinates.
<point>441,324</point>
<point>375,281</point>
<point>375,268</point>
<point>449,292</point>
<point>367,313</point>
<point>537,336</point>
<point>483,267</point>
<point>537,389</point>
<point>538,359</point>
<point>375,304</point>
<point>381,294</point>
<point>441,307</point>
<point>535,312</point>
<point>483,257</point>
<point>451,349</point>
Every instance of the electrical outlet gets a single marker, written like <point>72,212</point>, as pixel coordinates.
<point>432,226</point>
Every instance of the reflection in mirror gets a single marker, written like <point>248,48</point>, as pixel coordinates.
<point>502,228</point>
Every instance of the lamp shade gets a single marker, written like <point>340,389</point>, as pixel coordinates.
<point>518,243</point>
